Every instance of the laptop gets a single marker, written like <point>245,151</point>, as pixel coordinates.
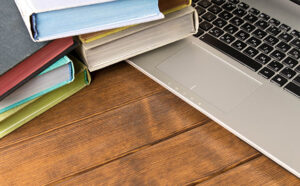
<point>242,69</point>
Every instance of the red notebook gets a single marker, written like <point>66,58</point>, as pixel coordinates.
<point>34,64</point>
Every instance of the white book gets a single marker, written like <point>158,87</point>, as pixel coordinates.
<point>38,6</point>
<point>139,39</point>
<point>53,19</point>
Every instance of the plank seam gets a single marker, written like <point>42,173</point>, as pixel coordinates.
<point>84,118</point>
<point>225,169</point>
<point>137,149</point>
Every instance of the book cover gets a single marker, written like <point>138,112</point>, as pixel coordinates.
<point>22,59</point>
<point>24,113</point>
<point>55,76</point>
<point>165,6</point>
<point>75,19</point>
<point>139,39</point>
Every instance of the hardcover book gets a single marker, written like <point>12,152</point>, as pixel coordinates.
<point>165,6</point>
<point>55,76</point>
<point>68,18</point>
<point>139,39</point>
<point>15,118</point>
<point>22,59</point>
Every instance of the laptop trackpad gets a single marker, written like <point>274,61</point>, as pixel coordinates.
<point>212,79</point>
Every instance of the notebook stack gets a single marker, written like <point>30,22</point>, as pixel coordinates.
<point>37,70</point>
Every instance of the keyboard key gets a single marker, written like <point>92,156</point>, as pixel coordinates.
<point>243,6</point>
<point>230,29</point>
<point>279,80</point>
<point>227,38</point>
<point>262,24</point>
<point>271,40</point>
<point>239,12</point>
<point>225,15</point>
<point>293,88</point>
<point>234,1</point>
<point>218,2</point>
<point>285,37</point>
<point>284,27</point>
<point>265,48</point>
<point>274,22</point>
<point>248,27</point>
<point>254,11</point>
<point>209,16</point>
<point>219,22</point>
<point>242,35</point>
<point>296,43</point>
<point>297,80</point>
<point>239,45</point>
<point>251,52</point>
<point>215,9</point>
<point>259,33</point>
<point>205,25</point>
<point>250,18</point>
<point>283,46</point>
<point>236,21</point>
<point>278,55</point>
<point>216,32</point>
<point>241,58</point>
<point>204,3</point>
<point>253,41</point>
<point>288,73</point>
<point>296,33</point>
<point>262,58</point>
<point>199,33</point>
<point>199,10</point>
<point>275,65</point>
<point>294,53</point>
<point>290,62</point>
<point>298,69</point>
<point>266,73</point>
<point>273,30</point>
<point>264,16</point>
<point>229,6</point>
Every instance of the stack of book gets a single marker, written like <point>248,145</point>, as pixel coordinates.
<point>36,68</point>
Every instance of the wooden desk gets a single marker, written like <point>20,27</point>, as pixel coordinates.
<point>126,129</point>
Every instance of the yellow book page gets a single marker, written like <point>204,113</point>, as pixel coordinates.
<point>99,35</point>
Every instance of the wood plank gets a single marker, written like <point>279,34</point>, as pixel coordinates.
<point>195,154</point>
<point>111,87</point>
<point>260,171</point>
<point>98,139</point>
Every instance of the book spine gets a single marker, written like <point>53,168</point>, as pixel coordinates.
<point>26,10</point>
<point>44,103</point>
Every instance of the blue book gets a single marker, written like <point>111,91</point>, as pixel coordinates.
<point>68,18</point>
<point>55,76</point>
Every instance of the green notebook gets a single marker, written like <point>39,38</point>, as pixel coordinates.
<point>13,119</point>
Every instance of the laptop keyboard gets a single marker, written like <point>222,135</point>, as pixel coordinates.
<point>256,40</point>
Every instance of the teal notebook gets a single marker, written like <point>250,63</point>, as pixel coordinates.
<point>55,76</point>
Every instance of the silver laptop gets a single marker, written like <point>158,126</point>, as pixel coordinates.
<point>242,69</point>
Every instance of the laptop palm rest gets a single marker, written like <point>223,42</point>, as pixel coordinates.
<point>211,78</point>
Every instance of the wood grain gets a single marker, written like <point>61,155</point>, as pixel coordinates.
<point>126,129</point>
<point>111,87</point>
<point>180,160</point>
<point>260,171</point>
<point>96,140</point>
